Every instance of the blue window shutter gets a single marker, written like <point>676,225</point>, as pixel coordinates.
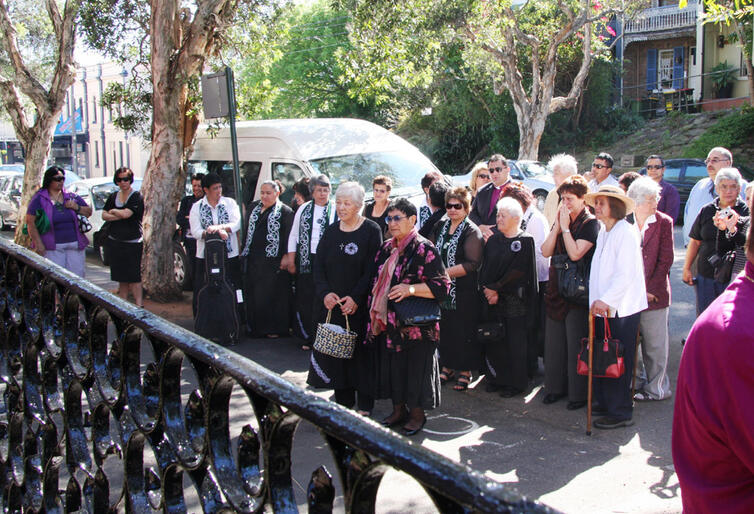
<point>651,68</point>
<point>678,54</point>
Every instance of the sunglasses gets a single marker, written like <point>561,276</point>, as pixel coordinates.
<point>599,166</point>
<point>655,166</point>
<point>483,175</point>
<point>58,178</point>
<point>498,169</point>
<point>389,219</point>
<point>456,206</point>
<point>122,179</point>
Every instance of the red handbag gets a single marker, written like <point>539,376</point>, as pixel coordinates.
<point>607,361</point>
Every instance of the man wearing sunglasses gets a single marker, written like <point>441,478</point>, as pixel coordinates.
<point>484,208</point>
<point>602,167</point>
<point>670,200</point>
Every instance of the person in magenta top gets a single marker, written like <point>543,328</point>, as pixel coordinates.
<point>713,434</point>
<point>63,243</point>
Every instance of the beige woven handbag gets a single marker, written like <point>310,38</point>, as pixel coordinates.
<point>334,340</point>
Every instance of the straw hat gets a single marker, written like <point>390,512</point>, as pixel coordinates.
<point>613,192</point>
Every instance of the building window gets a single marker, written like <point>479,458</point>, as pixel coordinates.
<point>94,109</point>
<point>665,68</point>
<point>692,54</point>
<point>96,156</point>
<point>743,71</point>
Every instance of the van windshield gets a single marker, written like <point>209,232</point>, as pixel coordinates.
<point>405,169</point>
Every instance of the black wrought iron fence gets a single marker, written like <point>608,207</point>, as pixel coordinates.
<point>81,407</point>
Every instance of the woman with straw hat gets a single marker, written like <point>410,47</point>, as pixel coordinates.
<point>617,292</point>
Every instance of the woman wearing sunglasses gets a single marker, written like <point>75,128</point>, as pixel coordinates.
<point>61,240</point>
<point>124,210</point>
<point>461,245</point>
<point>480,175</point>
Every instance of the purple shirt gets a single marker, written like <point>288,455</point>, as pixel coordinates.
<point>670,200</point>
<point>713,422</point>
<point>64,223</point>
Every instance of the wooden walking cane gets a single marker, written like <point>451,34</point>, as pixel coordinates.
<point>589,379</point>
<point>636,364</point>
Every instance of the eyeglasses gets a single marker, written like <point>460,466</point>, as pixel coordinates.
<point>456,206</point>
<point>483,175</point>
<point>58,178</point>
<point>714,161</point>
<point>600,166</point>
<point>498,169</point>
<point>655,166</point>
<point>122,179</point>
<point>389,219</point>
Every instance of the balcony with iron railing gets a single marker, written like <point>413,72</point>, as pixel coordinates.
<point>663,18</point>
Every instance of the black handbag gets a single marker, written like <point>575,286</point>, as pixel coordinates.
<point>414,311</point>
<point>490,332</point>
<point>573,279</point>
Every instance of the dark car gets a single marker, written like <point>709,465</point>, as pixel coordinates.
<point>683,174</point>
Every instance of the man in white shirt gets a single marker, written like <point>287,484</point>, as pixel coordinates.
<point>602,167</point>
<point>216,214</point>
<point>704,190</point>
<point>310,222</point>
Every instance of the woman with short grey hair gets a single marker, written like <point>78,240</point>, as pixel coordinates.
<point>351,190</point>
<point>656,230</point>
<point>562,166</point>
<point>343,269</point>
<point>508,280</point>
<point>719,228</point>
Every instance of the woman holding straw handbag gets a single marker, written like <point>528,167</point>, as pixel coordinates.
<point>617,295</point>
<point>343,270</point>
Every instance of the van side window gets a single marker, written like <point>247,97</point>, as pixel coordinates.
<point>249,178</point>
<point>288,174</point>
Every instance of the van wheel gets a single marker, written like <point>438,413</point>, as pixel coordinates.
<point>539,199</point>
<point>181,267</point>
<point>3,225</point>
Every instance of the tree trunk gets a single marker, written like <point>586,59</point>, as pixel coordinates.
<point>37,149</point>
<point>530,130</point>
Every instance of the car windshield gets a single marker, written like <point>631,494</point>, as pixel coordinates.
<point>100,192</point>
<point>405,169</point>
<point>533,168</point>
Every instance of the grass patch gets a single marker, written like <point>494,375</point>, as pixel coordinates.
<point>734,130</point>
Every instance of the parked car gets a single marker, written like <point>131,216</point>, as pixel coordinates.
<point>10,197</point>
<point>683,174</point>
<point>12,167</point>
<point>534,175</point>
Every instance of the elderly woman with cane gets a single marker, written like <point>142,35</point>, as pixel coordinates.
<point>617,295</point>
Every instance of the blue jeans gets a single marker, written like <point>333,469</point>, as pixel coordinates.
<point>707,289</point>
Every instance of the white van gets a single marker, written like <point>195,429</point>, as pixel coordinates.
<point>288,150</point>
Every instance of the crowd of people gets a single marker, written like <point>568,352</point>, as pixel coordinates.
<point>498,269</point>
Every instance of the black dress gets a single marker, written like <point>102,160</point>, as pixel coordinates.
<point>125,239</point>
<point>344,265</point>
<point>510,268</point>
<point>267,288</point>
<point>458,346</point>
<point>380,220</point>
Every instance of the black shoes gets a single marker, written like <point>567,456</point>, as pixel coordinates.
<point>413,431</point>
<point>392,421</point>
<point>551,398</point>
<point>510,392</point>
<point>576,405</point>
<point>609,422</point>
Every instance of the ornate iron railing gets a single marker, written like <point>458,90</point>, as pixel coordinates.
<point>81,407</point>
<point>663,18</point>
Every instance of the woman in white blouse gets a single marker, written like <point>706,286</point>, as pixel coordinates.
<point>616,292</point>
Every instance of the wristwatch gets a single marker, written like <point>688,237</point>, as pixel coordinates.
<point>411,290</point>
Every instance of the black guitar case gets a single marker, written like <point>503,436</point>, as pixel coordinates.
<point>216,313</point>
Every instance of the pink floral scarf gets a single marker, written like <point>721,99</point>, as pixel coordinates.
<point>378,311</point>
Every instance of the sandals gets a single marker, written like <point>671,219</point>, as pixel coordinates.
<point>464,379</point>
<point>446,375</point>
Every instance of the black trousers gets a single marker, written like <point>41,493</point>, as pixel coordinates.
<point>614,395</point>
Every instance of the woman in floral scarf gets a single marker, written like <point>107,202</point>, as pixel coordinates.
<point>407,364</point>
